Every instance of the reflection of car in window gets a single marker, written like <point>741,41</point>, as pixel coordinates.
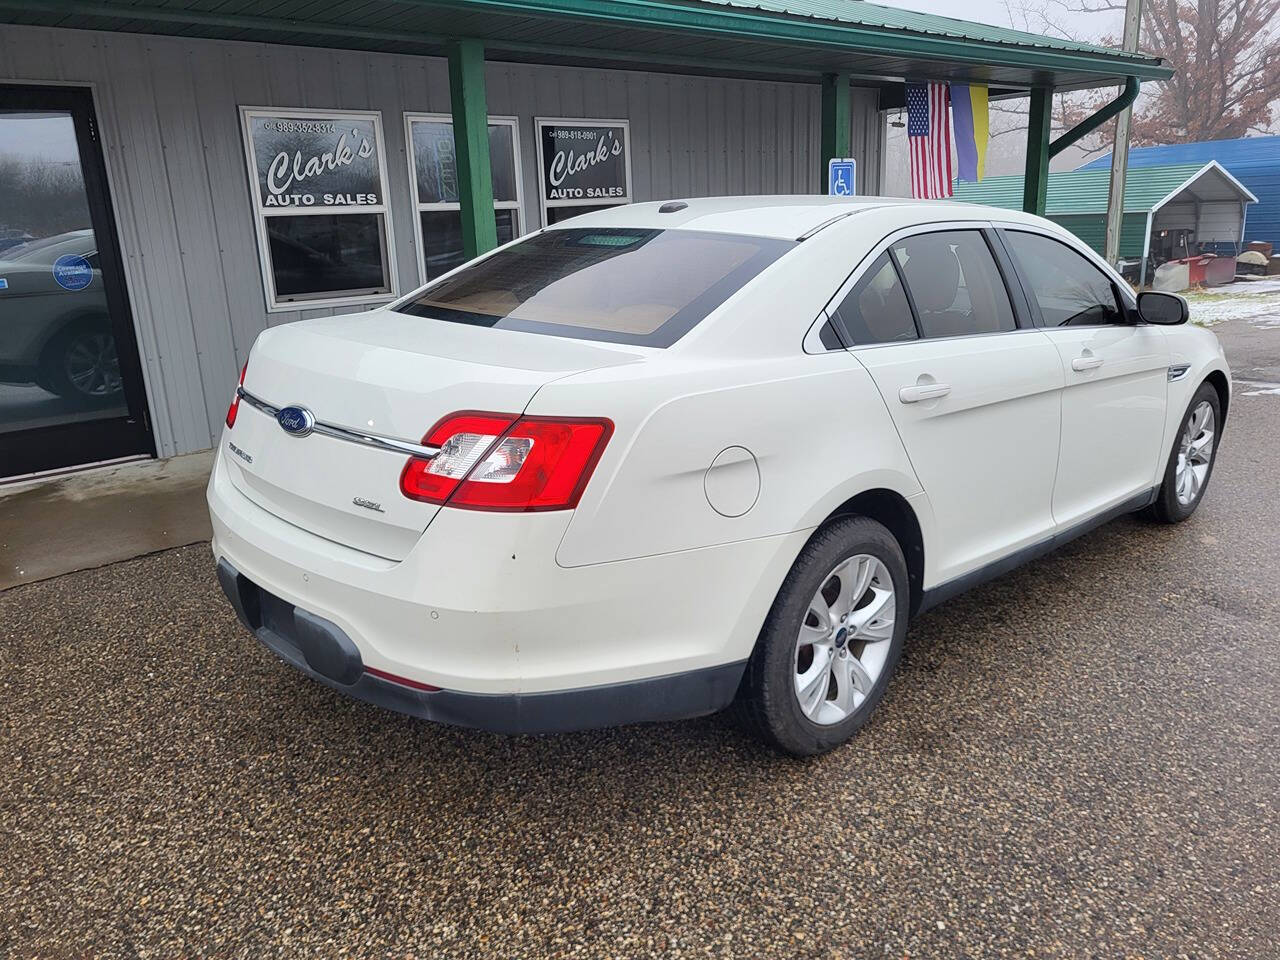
<point>57,338</point>
<point>13,238</point>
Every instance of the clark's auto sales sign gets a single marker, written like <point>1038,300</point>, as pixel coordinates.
<point>584,162</point>
<point>316,161</point>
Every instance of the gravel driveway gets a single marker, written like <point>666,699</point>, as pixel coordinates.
<point>1080,759</point>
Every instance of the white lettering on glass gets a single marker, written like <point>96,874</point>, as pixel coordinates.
<point>284,173</point>
<point>566,164</point>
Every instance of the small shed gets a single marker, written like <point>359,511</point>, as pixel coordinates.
<point>1169,211</point>
<point>1254,161</point>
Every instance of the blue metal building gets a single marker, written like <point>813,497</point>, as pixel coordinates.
<point>1254,161</point>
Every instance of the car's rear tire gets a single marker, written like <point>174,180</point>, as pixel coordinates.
<point>841,614</point>
<point>1195,449</point>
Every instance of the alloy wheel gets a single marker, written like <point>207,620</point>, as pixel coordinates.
<point>1195,452</point>
<point>843,643</point>
<point>92,366</point>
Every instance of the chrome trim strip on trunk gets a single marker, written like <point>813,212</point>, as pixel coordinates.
<point>374,440</point>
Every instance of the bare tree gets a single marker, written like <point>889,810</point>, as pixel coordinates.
<point>1226,60</point>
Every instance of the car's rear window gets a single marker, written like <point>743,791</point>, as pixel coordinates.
<point>647,287</point>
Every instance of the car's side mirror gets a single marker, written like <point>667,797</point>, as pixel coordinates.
<point>1166,309</point>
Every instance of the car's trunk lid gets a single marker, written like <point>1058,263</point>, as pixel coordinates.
<point>387,374</point>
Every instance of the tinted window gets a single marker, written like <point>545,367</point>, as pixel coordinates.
<point>1070,290</point>
<point>326,255</point>
<point>442,237</point>
<point>876,309</point>
<point>828,337</point>
<point>954,283</point>
<point>646,287</point>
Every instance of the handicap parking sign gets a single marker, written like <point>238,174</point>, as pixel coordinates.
<point>840,177</point>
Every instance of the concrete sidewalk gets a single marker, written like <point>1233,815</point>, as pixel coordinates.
<point>83,520</point>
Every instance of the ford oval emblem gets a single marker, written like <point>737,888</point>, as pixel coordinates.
<point>296,421</point>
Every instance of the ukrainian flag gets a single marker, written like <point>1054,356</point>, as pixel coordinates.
<point>969,112</point>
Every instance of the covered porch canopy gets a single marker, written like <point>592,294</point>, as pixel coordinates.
<point>834,43</point>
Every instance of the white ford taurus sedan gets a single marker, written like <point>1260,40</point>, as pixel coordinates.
<point>654,459</point>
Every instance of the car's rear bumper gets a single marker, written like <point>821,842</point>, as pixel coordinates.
<point>480,626</point>
<point>321,650</point>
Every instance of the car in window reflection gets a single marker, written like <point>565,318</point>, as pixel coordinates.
<point>13,238</point>
<point>58,335</point>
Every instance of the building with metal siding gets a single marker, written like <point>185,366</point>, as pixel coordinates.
<point>1254,161</point>
<point>712,97</point>
<point>172,133</point>
<point>1199,203</point>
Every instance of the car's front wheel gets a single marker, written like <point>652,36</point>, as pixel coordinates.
<point>1191,461</point>
<point>831,640</point>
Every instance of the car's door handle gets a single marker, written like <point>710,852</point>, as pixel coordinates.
<point>923,391</point>
<point>1086,362</point>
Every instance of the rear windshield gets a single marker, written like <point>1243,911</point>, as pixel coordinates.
<point>647,287</point>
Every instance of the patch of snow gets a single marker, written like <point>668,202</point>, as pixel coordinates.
<point>1257,302</point>
<point>1262,389</point>
<point>1269,285</point>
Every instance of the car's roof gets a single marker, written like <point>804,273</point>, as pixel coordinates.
<point>784,217</point>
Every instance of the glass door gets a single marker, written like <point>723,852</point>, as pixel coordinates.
<point>70,382</point>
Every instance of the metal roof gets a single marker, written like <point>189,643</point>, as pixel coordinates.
<point>1254,161</point>
<point>1146,189</point>
<point>1243,153</point>
<point>913,21</point>
<point>785,39</point>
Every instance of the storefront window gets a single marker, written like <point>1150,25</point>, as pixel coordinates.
<point>319,190</point>
<point>583,165</point>
<point>433,159</point>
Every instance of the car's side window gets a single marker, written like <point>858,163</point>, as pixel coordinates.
<point>876,309</point>
<point>1070,291</point>
<point>954,283</point>
<point>829,338</point>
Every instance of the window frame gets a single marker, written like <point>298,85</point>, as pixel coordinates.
<point>543,203</point>
<point>1123,292</point>
<point>419,207</point>
<point>1022,317</point>
<point>260,213</point>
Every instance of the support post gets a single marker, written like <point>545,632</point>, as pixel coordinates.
<point>837,115</point>
<point>471,146</point>
<point>1120,152</point>
<point>1146,254</point>
<point>1035,185</point>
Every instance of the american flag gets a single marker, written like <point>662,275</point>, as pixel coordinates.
<point>929,136</point>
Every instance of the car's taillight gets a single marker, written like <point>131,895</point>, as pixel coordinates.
<point>235,400</point>
<point>463,438</point>
<point>490,462</point>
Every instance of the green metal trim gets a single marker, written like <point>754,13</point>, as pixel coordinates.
<point>837,119</point>
<point>436,43</point>
<point>1091,123</point>
<point>471,146</point>
<point>88,8</point>
<point>1035,184</point>
<point>842,36</point>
